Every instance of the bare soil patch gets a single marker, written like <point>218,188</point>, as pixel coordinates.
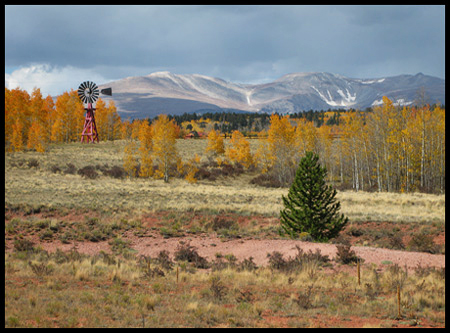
<point>208,245</point>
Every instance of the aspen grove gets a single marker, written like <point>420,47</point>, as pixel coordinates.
<point>390,148</point>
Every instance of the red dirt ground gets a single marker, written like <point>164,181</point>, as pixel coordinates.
<point>209,245</point>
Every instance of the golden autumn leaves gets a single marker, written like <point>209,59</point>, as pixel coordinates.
<point>157,142</point>
<point>392,148</point>
<point>32,121</point>
<point>158,154</point>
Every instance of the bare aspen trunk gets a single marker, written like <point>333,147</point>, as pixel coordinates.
<point>378,175</point>
<point>356,173</point>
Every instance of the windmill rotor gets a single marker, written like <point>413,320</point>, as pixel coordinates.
<point>88,92</point>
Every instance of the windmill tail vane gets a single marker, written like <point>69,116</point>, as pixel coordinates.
<point>88,93</point>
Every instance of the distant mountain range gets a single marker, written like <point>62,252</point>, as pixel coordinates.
<point>164,92</point>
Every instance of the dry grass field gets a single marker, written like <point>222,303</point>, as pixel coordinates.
<point>36,186</point>
<point>86,252</point>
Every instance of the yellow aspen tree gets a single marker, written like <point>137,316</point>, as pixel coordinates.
<point>114,122</point>
<point>17,137</point>
<point>101,119</point>
<point>56,131</point>
<point>39,108</point>
<point>439,115</point>
<point>145,135</point>
<point>305,136</point>
<point>215,143</point>
<point>36,139</point>
<point>324,149</point>
<point>125,130</point>
<point>130,162</point>
<point>70,113</point>
<point>351,139</point>
<point>135,128</point>
<point>378,132</point>
<point>108,123</point>
<point>8,116</point>
<point>281,139</point>
<point>146,169</point>
<point>239,150</point>
<point>407,140</point>
<point>145,149</point>
<point>164,133</point>
<point>17,117</point>
<point>191,168</point>
<point>49,109</point>
<point>263,157</point>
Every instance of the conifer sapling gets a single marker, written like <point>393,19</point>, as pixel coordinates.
<point>310,205</point>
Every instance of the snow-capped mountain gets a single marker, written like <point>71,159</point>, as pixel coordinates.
<point>164,92</point>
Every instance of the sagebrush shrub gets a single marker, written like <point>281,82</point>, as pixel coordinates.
<point>115,172</point>
<point>345,254</point>
<point>88,172</point>
<point>186,252</point>
<point>70,169</point>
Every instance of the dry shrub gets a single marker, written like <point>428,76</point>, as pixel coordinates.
<point>300,261</point>
<point>88,172</point>
<point>23,245</point>
<point>55,169</point>
<point>70,169</point>
<point>221,223</point>
<point>218,289</point>
<point>33,163</point>
<point>186,252</point>
<point>266,180</point>
<point>163,260</point>
<point>345,254</point>
<point>115,172</point>
<point>102,168</point>
<point>203,173</point>
<point>423,243</point>
<point>41,269</point>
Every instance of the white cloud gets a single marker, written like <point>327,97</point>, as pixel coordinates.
<point>50,79</point>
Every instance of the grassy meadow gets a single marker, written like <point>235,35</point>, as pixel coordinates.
<point>38,185</point>
<point>118,288</point>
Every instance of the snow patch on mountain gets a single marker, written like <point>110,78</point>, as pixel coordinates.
<point>346,101</point>
<point>371,81</point>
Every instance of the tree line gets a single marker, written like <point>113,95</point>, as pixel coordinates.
<point>32,121</point>
<point>388,148</point>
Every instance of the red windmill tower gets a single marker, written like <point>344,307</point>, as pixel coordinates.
<point>88,93</point>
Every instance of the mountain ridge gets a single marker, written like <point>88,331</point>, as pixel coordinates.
<point>166,92</point>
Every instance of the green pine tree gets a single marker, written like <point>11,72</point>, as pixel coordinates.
<point>310,205</point>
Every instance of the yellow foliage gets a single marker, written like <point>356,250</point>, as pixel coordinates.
<point>145,136</point>
<point>35,140</point>
<point>239,150</point>
<point>164,133</point>
<point>305,136</point>
<point>146,169</point>
<point>17,138</point>
<point>263,157</point>
<point>129,161</point>
<point>215,143</point>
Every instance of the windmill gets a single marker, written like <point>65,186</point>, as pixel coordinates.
<point>88,93</point>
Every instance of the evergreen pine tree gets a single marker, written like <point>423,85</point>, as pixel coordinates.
<point>310,205</point>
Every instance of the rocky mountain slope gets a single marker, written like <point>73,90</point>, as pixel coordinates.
<point>164,92</point>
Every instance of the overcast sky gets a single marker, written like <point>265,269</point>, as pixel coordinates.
<point>55,48</point>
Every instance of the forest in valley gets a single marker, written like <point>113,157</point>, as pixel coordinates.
<point>387,148</point>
